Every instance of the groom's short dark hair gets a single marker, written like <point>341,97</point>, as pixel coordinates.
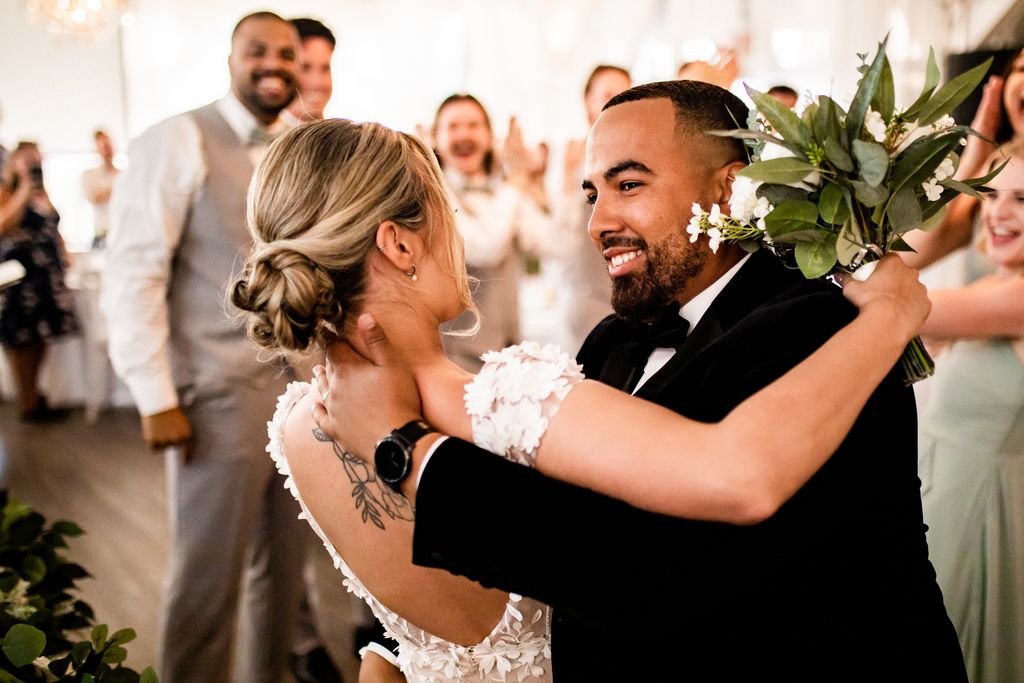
<point>700,107</point>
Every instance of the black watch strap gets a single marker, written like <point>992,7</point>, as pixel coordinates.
<point>393,456</point>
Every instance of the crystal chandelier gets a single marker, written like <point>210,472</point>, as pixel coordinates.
<point>82,18</point>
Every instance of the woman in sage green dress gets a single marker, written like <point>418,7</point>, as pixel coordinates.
<point>971,456</point>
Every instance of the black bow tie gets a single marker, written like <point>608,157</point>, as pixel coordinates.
<point>668,331</point>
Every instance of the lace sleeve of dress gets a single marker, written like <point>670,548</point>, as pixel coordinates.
<point>516,393</point>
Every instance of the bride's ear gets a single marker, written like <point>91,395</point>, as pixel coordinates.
<point>400,246</point>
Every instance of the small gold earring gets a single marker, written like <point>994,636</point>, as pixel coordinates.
<point>380,248</point>
<point>412,274</point>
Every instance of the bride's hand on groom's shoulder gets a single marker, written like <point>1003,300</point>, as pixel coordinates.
<point>365,391</point>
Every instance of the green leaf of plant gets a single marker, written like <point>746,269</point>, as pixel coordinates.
<point>960,187</point>
<point>827,118</point>
<point>865,93</point>
<point>88,678</point>
<point>782,171</point>
<point>148,675</point>
<point>869,195</point>
<point>791,217</point>
<point>8,677</point>
<point>23,643</point>
<point>816,259</point>
<point>66,528</point>
<point>114,655</point>
<point>13,511</point>
<point>904,210</point>
<point>33,569</point>
<point>80,651</point>
<point>744,134</point>
<point>899,244</point>
<point>884,100</point>
<point>952,93</point>
<point>838,155</point>
<point>983,180</point>
<point>829,202</point>
<point>8,580</point>
<point>59,667</point>
<point>776,194</point>
<point>783,119</point>
<point>125,635</point>
<point>873,161</point>
<point>99,636</point>
<point>918,162</point>
<point>931,79</point>
<point>848,243</point>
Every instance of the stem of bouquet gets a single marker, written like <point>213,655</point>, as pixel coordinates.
<point>916,362</point>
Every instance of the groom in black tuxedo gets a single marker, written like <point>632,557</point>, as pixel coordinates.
<point>835,586</point>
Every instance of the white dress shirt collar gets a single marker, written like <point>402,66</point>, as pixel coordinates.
<point>694,309</point>
<point>242,121</point>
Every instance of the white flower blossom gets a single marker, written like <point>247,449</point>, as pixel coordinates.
<point>945,169</point>
<point>715,237</point>
<point>694,229</point>
<point>715,217</point>
<point>875,125</point>
<point>932,189</point>
<point>943,123</point>
<point>743,199</point>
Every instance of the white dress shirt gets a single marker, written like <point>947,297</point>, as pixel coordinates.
<point>495,216</point>
<point>693,311</point>
<point>148,213</point>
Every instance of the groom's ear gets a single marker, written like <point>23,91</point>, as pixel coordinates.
<point>722,182</point>
<point>400,246</point>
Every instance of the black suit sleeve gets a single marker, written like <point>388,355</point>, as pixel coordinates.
<point>510,527</point>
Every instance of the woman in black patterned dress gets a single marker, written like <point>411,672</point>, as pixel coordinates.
<point>39,308</point>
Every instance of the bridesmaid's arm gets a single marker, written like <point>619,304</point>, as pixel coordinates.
<point>991,307</point>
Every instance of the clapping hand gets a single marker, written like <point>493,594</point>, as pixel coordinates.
<point>365,391</point>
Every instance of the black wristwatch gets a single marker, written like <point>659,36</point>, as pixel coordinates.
<point>393,456</point>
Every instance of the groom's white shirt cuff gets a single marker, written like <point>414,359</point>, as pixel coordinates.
<point>426,458</point>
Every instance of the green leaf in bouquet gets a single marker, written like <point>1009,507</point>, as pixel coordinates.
<point>849,242</point>
<point>838,155</point>
<point>918,162</point>
<point>884,101</point>
<point>932,208</point>
<point>776,194</point>
<point>962,188</point>
<point>869,195</point>
<point>932,219</point>
<point>832,205</point>
<point>783,119</point>
<point>931,80</point>
<point>873,161</point>
<point>985,179</point>
<point>952,93</point>
<point>816,259</point>
<point>904,211</point>
<point>899,244</point>
<point>791,217</point>
<point>782,171</point>
<point>865,93</point>
<point>23,643</point>
<point>827,117</point>
<point>766,138</point>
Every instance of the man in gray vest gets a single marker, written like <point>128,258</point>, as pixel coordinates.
<point>178,232</point>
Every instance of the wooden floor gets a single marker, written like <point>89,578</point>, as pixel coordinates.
<point>103,478</point>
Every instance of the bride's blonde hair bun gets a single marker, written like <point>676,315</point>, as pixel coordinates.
<point>314,206</point>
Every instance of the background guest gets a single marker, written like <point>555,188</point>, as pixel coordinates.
<point>721,70</point>
<point>314,82</point>
<point>587,283</point>
<point>502,213</point>
<point>178,235</point>
<point>38,309</point>
<point>971,457</point>
<point>97,184</point>
<point>785,94</point>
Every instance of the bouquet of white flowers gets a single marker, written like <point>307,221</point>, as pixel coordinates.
<point>832,190</point>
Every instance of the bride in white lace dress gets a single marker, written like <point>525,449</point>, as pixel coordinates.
<point>351,217</point>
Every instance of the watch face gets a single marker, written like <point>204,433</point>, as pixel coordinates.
<point>391,460</point>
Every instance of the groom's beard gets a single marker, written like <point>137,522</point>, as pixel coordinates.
<point>668,266</point>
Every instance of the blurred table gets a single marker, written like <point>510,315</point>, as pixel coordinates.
<point>77,371</point>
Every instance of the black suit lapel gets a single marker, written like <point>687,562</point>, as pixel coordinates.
<point>761,279</point>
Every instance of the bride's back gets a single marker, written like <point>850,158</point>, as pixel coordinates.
<point>371,528</point>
